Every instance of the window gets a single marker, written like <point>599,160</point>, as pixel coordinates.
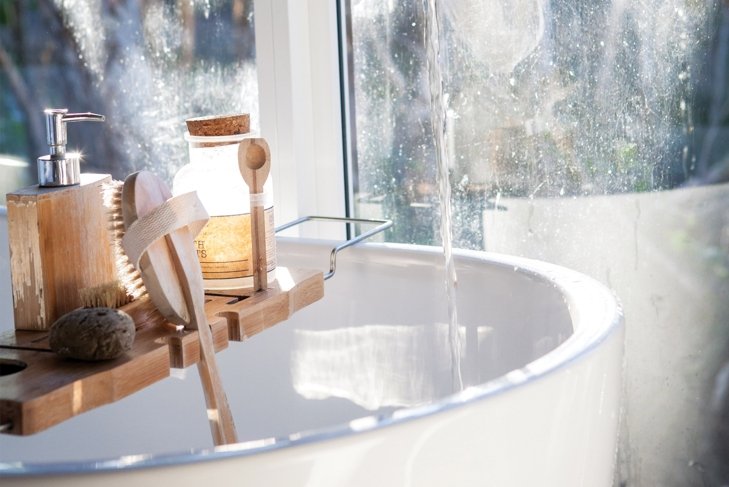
<point>146,66</point>
<point>543,100</point>
<point>591,134</point>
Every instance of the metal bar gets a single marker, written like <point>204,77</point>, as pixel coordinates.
<point>382,225</point>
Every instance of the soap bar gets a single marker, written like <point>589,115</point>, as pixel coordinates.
<point>92,334</point>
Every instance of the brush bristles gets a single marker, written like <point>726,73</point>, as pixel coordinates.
<point>109,295</point>
<point>129,277</point>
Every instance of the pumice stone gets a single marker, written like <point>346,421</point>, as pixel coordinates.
<point>92,334</point>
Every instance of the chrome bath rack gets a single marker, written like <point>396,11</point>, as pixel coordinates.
<point>382,225</point>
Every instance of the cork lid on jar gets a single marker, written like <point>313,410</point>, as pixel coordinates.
<point>217,125</point>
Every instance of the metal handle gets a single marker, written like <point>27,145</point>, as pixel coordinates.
<point>381,227</point>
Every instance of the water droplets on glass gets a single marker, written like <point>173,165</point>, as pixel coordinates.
<point>553,99</point>
<point>159,63</point>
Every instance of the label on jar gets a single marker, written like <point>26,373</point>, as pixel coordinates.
<point>224,246</point>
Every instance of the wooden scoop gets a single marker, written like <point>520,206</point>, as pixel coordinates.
<point>254,162</point>
<point>173,278</point>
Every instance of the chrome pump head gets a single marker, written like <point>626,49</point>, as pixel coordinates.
<point>60,168</point>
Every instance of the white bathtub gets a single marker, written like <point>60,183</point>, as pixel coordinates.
<point>355,390</point>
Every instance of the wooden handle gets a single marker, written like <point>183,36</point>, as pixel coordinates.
<point>190,275</point>
<point>258,249</point>
<point>173,263</point>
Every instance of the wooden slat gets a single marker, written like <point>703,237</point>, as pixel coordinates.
<point>184,346</point>
<point>292,290</point>
<point>52,389</point>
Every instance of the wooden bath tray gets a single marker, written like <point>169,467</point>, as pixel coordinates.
<point>51,389</point>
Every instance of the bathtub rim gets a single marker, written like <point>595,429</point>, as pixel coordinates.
<point>572,285</point>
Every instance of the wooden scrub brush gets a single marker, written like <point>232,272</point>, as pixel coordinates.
<point>159,242</point>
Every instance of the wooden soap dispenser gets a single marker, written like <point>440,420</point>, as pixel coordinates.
<point>57,232</point>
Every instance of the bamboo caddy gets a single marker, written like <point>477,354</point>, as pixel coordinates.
<point>39,389</point>
<point>45,389</point>
<point>61,245</point>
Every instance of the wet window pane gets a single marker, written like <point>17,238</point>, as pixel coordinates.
<point>146,66</point>
<point>590,134</point>
<point>542,99</point>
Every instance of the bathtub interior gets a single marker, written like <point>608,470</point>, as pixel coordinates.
<point>377,342</point>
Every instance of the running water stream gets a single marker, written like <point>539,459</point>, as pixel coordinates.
<point>438,116</point>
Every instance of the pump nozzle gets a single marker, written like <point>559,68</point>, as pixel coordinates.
<point>59,168</point>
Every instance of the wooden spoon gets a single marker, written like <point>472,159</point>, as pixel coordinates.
<point>173,278</point>
<point>254,162</point>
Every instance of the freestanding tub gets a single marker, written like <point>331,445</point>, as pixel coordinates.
<point>356,389</point>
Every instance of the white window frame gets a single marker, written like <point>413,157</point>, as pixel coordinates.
<point>297,57</point>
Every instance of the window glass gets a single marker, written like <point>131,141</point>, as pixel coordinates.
<point>591,134</point>
<point>146,66</point>
<point>544,99</point>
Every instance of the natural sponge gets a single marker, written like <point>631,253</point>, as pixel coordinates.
<point>92,334</point>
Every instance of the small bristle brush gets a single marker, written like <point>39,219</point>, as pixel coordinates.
<point>129,278</point>
<point>108,295</point>
<point>129,286</point>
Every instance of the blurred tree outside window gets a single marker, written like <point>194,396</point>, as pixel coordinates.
<point>146,65</point>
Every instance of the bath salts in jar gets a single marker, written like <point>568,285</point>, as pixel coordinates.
<point>224,244</point>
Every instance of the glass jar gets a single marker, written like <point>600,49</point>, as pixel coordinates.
<point>224,244</point>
